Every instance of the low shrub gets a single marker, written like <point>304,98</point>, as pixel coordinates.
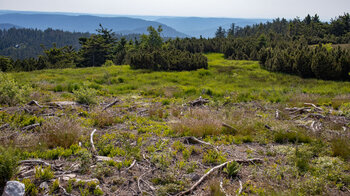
<point>292,137</point>
<point>8,165</point>
<point>167,60</point>
<point>11,93</point>
<point>85,96</point>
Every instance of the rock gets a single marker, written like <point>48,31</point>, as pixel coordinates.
<point>14,188</point>
<point>44,185</point>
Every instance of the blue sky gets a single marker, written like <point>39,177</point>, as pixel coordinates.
<point>204,8</point>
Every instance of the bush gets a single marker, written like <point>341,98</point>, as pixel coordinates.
<point>11,93</point>
<point>85,96</point>
<point>8,165</point>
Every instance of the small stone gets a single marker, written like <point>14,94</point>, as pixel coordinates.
<point>14,188</point>
<point>44,185</point>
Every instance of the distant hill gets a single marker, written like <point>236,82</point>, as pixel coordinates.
<point>85,23</point>
<point>6,26</point>
<point>196,26</point>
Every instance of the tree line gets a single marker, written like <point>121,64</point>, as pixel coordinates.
<point>151,50</point>
<point>298,46</point>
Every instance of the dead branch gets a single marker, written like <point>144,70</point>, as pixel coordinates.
<point>222,188</point>
<point>298,110</point>
<point>11,136</point>
<point>242,161</point>
<point>139,179</point>
<point>64,190</point>
<point>240,187</point>
<point>92,141</point>
<point>315,115</point>
<point>194,140</point>
<point>37,162</point>
<point>30,127</point>
<point>229,127</point>
<point>4,126</point>
<point>198,102</point>
<point>277,115</point>
<point>132,165</point>
<point>33,102</point>
<point>313,105</point>
<point>111,104</point>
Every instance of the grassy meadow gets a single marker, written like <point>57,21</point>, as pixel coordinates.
<point>297,129</point>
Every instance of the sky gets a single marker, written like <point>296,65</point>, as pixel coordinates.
<point>326,9</point>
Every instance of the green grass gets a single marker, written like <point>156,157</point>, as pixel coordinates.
<point>238,81</point>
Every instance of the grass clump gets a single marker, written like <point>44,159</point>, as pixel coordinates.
<point>291,136</point>
<point>232,169</point>
<point>200,123</point>
<point>8,165</point>
<point>213,157</point>
<point>85,96</point>
<point>341,147</point>
<point>11,93</point>
<point>62,132</point>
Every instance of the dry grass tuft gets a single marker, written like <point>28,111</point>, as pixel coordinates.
<point>61,132</point>
<point>103,119</point>
<point>199,122</point>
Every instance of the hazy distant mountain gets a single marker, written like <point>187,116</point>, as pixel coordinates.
<point>85,23</point>
<point>206,27</point>
<point>6,26</point>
